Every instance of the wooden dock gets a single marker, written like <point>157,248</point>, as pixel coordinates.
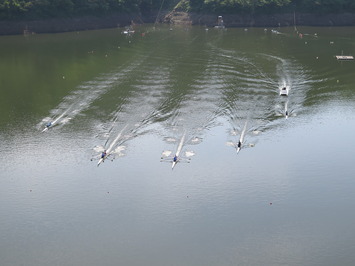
<point>344,57</point>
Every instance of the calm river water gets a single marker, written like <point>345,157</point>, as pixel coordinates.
<point>286,198</point>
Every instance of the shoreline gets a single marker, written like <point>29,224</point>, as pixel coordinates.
<point>58,25</point>
<point>271,20</point>
<point>175,18</point>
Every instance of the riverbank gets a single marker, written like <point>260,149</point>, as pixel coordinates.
<point>271,20</point>
<point>73,24</point>
<point>176,18</point>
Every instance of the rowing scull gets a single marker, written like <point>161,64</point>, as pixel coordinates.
<point>178,151</point>
<point>241,140</point>
<point>51,124</point>
<point>109,149</point>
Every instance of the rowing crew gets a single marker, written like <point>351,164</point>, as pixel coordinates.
<point>48,125</point>
<point>177,158</point>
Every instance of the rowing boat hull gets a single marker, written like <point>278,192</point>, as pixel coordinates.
<point>283,93</point>
<point>110,149</point>
<point>100,161</point>
<point>173,165</point>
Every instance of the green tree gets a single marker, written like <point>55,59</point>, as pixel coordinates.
<point>36,9</point>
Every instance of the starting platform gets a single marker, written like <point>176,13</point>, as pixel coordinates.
<point>344,57</point>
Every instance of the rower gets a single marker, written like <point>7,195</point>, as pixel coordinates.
<point>175,158</point>
<point>48,124</point>
<point>239,144</point>
<point>103,154</point>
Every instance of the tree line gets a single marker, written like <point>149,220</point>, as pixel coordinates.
<point>42,9</point>
<point>272,6</point>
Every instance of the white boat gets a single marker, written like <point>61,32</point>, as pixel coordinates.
<point>51,124</point>
<point>178,151</point>
<point>173,165</point>
<point>239,146</point>
<point>48,125</point>
<point>101,160</point>
<point>110,150</point>
<point>284,91</point>
<point>128,31</point>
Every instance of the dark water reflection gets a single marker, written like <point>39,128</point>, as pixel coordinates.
<point>284,199</point>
